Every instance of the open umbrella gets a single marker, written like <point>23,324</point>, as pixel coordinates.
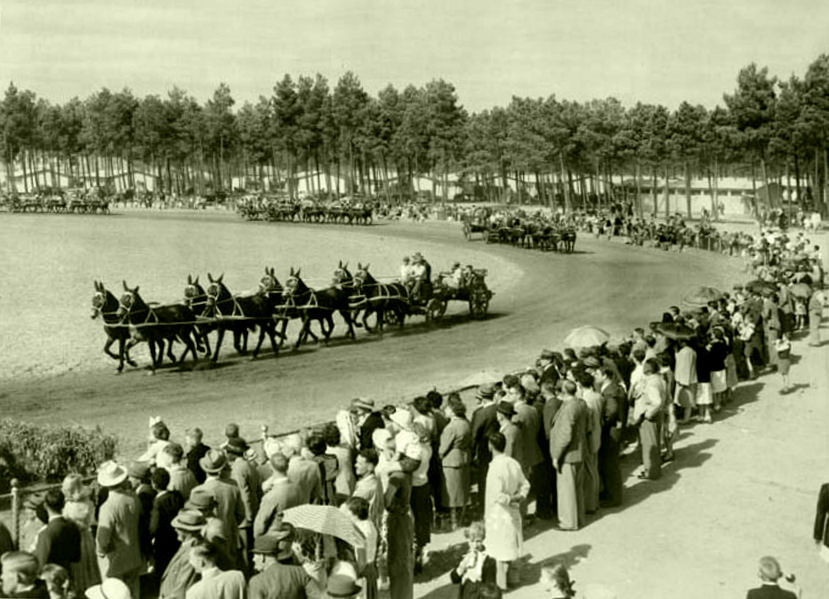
<point>674,330</point>
<point>586,336</point>
<point>326,520</point>
<point>801,290</point>
<point>760,286</point>
<point>700,297</point>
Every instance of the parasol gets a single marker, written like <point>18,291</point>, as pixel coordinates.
<point>801,290</point>
<point>482,377</point>
<point>586,336</point>
<point>326,520</point>
<point>673,330</point>
<point>701,296</point>
<point>760,286</point>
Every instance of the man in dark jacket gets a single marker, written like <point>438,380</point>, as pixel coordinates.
<point>484,421</point>
<point>60,542</point>
<point>196,450</point>
<point>769,574</point>
<point>369,420</point>
<point>568,446</point>
<point>279,576</point>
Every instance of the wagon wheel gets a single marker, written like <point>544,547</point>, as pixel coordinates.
<point>391,318</point>
<point>435,309</point>
<point>478,302</point>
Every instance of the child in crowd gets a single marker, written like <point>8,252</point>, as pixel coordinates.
<point>784,349</point>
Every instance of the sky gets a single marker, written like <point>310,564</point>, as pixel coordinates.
<point>662,51</point>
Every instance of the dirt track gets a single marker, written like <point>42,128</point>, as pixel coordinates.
<point>740,488</point>
<point>543,296</point>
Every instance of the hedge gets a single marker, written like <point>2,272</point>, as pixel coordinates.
<point>48,453</point>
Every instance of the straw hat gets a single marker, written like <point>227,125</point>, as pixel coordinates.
<point>111,474</point>
<point>362,403</point>
<point>191,520</point>
<point>340,585</point>
<point>402,418</point>
<point>110,588</point>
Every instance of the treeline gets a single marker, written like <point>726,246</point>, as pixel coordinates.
<point>767,128</point>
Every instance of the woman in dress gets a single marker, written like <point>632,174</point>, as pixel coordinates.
<point>80,510</point>
<point>477,568</point>
<point>455,451</point>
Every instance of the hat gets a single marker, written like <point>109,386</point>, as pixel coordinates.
<point>361,403</point>
<point>110,588</point>
<point>485,392</point>
<point>20,561</point>
<point>271,447</point>
<point>236,446</point>
<point>138,470</point>
<point>592,362</point>
<point>266,545</point>
<point>506,408</point>
<point>529,383</point>
<point>402,418</point>
<point>213,461</point>
<point>111,474</point>
<point>547,354</point>
<point>380,437</point>
<point>340,585</point>
<point>192,520</point>
<point>510,380</point>
<point>200,500</point>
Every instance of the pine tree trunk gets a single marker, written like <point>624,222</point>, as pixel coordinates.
<point>667,194</point>
<point>640,210</point>
<point>688,188</point>
<point>568,187</point>
<point>654,191</point>
<point>754,208</point>
<point>715,199</point>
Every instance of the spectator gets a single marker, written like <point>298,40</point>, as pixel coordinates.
<point>60,542</point>
<point>20,579</point>
<point>166,506</point>
<point>455,451</point>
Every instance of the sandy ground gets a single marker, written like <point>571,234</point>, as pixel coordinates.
<point>740,488</point>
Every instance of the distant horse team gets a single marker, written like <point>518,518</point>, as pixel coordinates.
<point>57,201</point>
<point>357,298</point>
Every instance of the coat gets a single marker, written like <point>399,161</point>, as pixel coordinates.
<point>455,449</point>
<point>529,423</point>
<point>502,514</point>
<point>372,423</point>
<point>279,581</point>
<point>484,421</point>
<point>247,479</point>
<point>193,457</point>
<point>215,584</point>
<point>165,545</point>
<point>182,480</point>
<point>370,488</point>
<point>117,536</point>
<point>568,438</point>
<point>306,474</point>
<point>470,589</point>
<point>59,543</point>
<point>230,508</point>
<point>770,591</point>
<point>179,574</point>
<point>283,494</point>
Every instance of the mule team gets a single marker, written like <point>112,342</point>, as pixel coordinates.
<point>129,320</point>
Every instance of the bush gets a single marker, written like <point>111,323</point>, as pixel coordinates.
<point>48,453</point>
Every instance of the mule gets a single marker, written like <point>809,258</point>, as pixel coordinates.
<point>282,312</point>
<point>239,313</point>
<point>312,306</point>
<point>382,299</point>
<point>105,305</point>
<point>155,324</point>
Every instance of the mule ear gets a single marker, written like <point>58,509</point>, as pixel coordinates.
<point>340,265</point>
<point>209,277</point>
<point>125,286</point>
<point>345,266</point>
<point>189,279</point>
<point>367,265</point>
<point>359,266</point>
<point>135,291</point>
<point>297,271</point>
<point>291,273</point>
<point>196,280</point>
<point>221,276</point>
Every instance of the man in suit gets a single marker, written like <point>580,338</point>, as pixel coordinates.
<point>613,410</point>
<point>246,478</point>
<point>821,529</point>
<point>568,440</point>
<point>304,470</point>
<point>549,373</point>
<point>139,474</point>
<point>484,421</point>
<point>117,541</point>
<point>545,487</point>
<point>166,506</point>
<point>180,574</point>
<point>368,419</point>
<point>230,508</point>
<point>528,420</point>
<point>278,577</point>
<point>769,573</point>
<point>182,478</point>
<point>283,494</point>
<point>505,412</point>
<point>60,542</point>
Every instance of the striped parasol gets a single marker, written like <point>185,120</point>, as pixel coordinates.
<point>326,520</point>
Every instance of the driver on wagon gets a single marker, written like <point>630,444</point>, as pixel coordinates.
<point>455,275</point>
<point>406,271</point>
<point>420,274</point>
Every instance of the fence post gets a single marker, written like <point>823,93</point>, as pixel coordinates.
<point>15,513</point>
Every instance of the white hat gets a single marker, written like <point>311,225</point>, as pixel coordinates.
<point>271,447</point>
<point>110,588</point>
<point>111,474</point>
<point>402,418</point>
<point>380,437</point>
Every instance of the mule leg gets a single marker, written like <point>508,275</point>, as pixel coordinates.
<point>271,329</point>
<point>329,319</point>
<point>107,351</point>
<point>366,313</point>
<point>170,353</point>
<point>259,343</point>
<point>219,338</point>
<point>151,343</point>
<point>129,344</point>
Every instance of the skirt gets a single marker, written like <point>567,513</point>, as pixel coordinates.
<point>704,397</point>
<point>684,395</point>
<point>783,365</point>
<point>456,487</point>
<point>718,381</point>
